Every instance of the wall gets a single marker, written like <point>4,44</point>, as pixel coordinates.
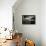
<point>29,7</point>
<point>43,23</point>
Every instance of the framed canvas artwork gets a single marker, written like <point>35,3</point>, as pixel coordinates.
<point>28,19</point>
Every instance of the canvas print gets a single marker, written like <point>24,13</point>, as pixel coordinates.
<point>28,19</point>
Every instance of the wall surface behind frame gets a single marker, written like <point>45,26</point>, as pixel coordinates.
<point>28,7</point>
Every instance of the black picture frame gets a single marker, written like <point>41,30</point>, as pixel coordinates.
<point>28,19</point>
